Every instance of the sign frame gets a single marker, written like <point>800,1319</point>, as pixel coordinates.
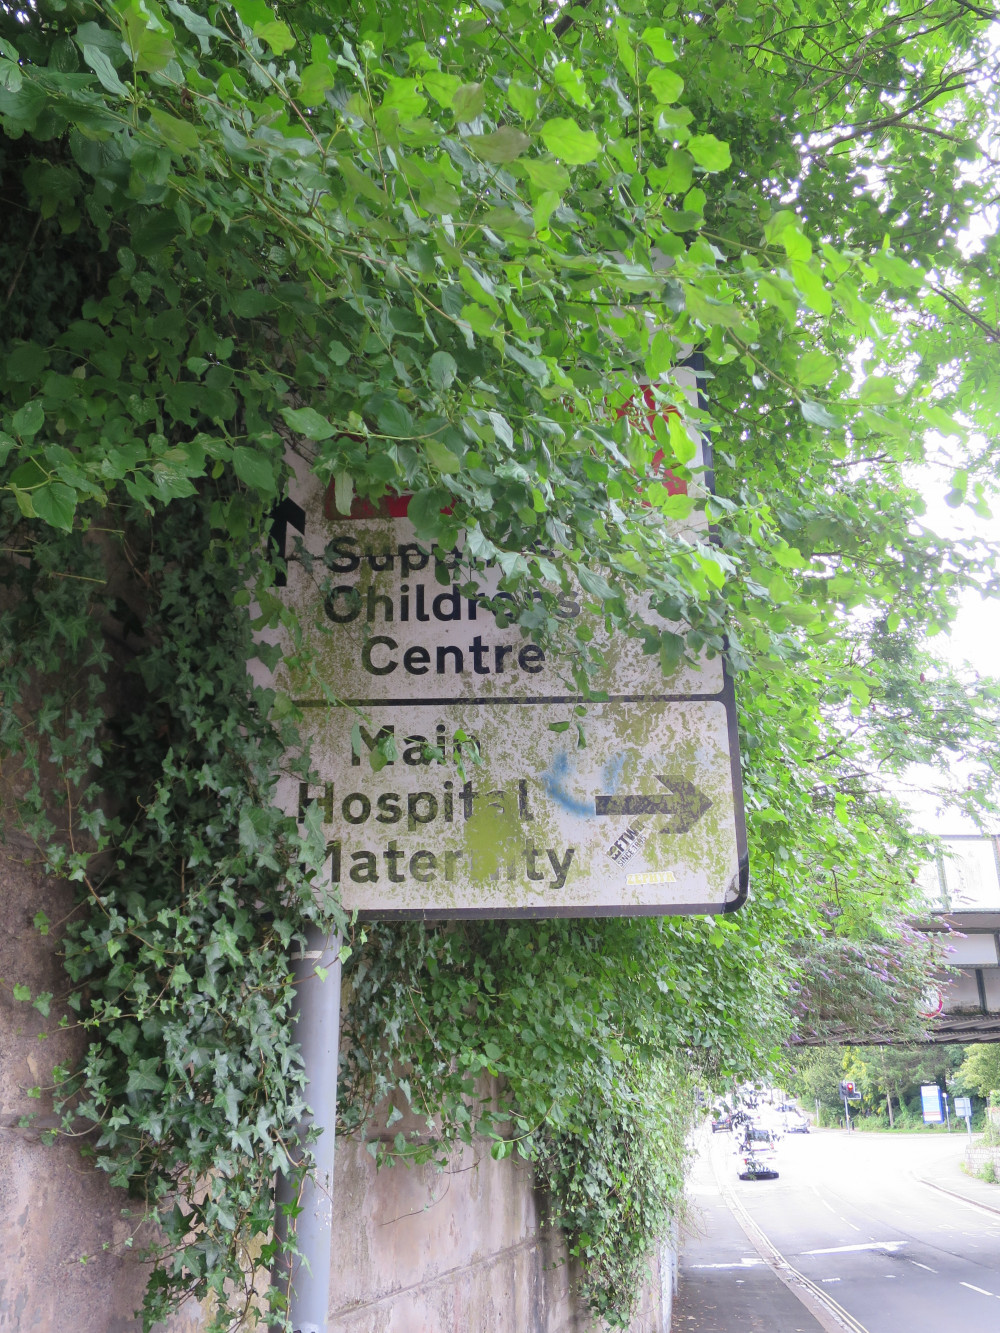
<point>290,515</point>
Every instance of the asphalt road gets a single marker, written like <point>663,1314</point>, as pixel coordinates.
<point>847,1238</point>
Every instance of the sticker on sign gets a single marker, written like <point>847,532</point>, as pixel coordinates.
<point>461,773</point>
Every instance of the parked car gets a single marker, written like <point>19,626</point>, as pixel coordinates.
<point>756,1153</point>
<point>723,1121</point>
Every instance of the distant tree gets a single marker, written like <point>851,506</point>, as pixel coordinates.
<point>979,1072</point>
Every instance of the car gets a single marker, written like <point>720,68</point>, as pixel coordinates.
<point>756,1153</point>
<point>792,1120</point>
<point>723,1121</point>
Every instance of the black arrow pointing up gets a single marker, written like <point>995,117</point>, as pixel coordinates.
<point>684,805</point>
<point>283,514</point>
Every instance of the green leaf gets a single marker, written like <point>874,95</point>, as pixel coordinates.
<point>278,35</point>
<point>21,992</point>
<point>179,134</point>
<point>55,504</point>
<point>30,473</point>
<point>424,512</point>
<point>254,469</point>
<point>307,421</point>
<point>441,457</point>
<point>565,139</point>
<point>105,71</point>
<point>547,175</point>
<point>667,86</point>
<point>709,152</point>
<point>394,420</point>
<point>316,81</point>
<point>468,100</point>
<point>682,444</point>
<point>523,99</point>
<point>815,367</point>
<point>503,145</point>
<point>441,370</point>
<point>596,584</point>
<point>817,414</point>
<point>811,285</point>
<point>660,45</point>
<point>28,420</point>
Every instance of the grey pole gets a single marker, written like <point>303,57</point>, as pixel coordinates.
<point>306,1276</point>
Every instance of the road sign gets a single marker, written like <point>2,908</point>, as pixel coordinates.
<point>931,1104</point>
<point>463,774</point>
<point>931,1001</point>
<point>963,1106</point>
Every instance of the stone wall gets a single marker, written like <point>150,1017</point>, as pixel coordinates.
<point>415,1250</point>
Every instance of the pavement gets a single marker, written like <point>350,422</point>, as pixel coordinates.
<point>950,1178</point>
<point>725,1284</point>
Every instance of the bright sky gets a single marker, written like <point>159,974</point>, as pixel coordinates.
<point>975,635</point>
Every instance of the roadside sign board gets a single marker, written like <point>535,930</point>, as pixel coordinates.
<point>963,1107</point>
<point>931,1104</point>
<point>463,773</point>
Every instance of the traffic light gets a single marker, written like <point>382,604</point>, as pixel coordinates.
<point>849,1090</point>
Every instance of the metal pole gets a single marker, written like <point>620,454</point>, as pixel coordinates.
<point>888,1102</point>
<point>947,1113</point>
<point>306,1276</point>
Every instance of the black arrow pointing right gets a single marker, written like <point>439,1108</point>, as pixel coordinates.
<point>683,806</point>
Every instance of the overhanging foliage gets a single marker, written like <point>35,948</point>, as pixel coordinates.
<point>435,250</point>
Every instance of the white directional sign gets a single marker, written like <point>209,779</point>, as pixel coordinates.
<point>463,774</point>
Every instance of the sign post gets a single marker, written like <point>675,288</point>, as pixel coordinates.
<point>963,1108</point>
<point>460,769</point>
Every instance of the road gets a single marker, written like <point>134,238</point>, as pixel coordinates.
<point>859,1241</point>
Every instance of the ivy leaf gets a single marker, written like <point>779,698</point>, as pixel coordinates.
<point>143,1076</point>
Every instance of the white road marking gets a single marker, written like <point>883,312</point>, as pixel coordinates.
<point>891,1245</point>
<point>829,1279</point>
<point>833,1210</point>
<point>917,1264</point>
<point>972,1288</point>
<point>743,1263</point>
